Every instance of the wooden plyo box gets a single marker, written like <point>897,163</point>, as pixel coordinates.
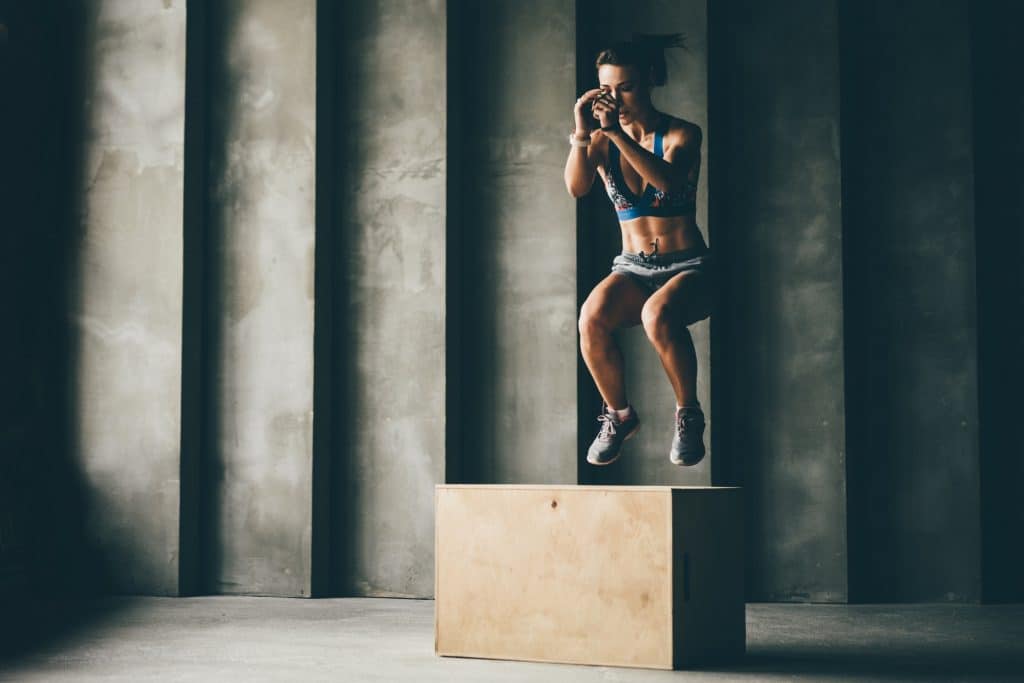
<point>642,576</point>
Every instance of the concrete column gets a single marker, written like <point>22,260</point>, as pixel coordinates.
<point>779,242</point>
<point>912,329</point>
<point>389,195</point>
<point>127,304</point>
<point>685,95</point>
<point>516,232</point>
<point>258,497</point>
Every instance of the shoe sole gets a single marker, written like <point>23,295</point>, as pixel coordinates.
<point>681,463</point>
<point>619,454</point>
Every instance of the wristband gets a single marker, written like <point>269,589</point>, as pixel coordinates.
<point>614,126</point>
<point>576,142</point>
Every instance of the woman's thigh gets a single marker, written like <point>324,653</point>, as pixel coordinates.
<point>616,301</point>
<point>686,297</point>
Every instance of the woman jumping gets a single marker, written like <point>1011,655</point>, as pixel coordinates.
<point>649,162</point>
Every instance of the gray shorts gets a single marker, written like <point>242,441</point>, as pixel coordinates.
<point>653,271</point>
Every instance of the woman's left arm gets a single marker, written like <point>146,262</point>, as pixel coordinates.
<point>669,174</point>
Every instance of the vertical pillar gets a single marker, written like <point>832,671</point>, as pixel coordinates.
<point>999,235</point>
<point>258,475</point>
<point>780,319</point>
<point>517,228</point>
<point>391,137</point>
<point>912,334</point>
<point>127,308</point>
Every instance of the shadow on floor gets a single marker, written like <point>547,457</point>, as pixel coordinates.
<point>33,625</point>
<point>903,664</point>
<point>907,661</point>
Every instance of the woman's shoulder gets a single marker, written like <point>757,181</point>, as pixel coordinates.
<point>680,131</point>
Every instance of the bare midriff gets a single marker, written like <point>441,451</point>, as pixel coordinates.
<point>674,233</point>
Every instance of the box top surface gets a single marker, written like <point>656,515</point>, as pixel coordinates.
<point>589,487</point>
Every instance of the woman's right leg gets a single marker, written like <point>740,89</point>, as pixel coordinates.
<point>615,302</point>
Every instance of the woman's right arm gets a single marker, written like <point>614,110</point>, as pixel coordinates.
<point>580,170</point>
<point>581,166</point>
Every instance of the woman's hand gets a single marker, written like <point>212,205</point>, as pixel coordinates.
<point>586,109</point>
<point>606,109</point>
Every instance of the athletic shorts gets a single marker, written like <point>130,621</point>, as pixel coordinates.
<point>654,270</point>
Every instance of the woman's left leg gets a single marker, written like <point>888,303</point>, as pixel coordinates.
<point>680,302</point>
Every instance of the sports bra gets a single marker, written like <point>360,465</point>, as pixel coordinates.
<point>653,202</point>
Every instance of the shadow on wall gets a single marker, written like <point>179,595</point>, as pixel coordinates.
<point>345,30</point>
<point>217,94</point>
<point>598,240</point>
<point>47,564</point>
<point>999,238</point>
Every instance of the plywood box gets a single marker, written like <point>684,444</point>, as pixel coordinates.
<point>644,576</point>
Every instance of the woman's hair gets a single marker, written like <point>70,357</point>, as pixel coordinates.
<point>646,51</point>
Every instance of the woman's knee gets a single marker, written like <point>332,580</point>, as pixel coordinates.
<point>593,320</point>
<point>656,317</point>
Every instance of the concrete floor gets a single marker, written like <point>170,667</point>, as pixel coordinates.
<point>363,639</point>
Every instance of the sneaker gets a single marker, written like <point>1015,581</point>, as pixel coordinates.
<point>608,445</point>
<point>688,443</point>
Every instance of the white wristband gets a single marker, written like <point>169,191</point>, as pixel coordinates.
<point>576,142</point>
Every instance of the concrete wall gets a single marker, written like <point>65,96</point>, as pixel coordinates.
<point>911,303</point>
<point>389,356</point>
<point>648,389</point>
<point>258,501</point>
<point>128,303</point>
<point>517,253</point>
<point>777,171</point>
<point>448,292</point>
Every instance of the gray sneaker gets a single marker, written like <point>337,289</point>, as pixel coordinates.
<point>608,445</point>
<point>688,442</point>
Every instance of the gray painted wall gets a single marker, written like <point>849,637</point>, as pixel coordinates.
<point>645,459</point>
<point>516,227</point>
<point>390,352</point>
<point>780,243</point>
<point>128,303</point>
<point>913,340</point>
<point>262,141</point>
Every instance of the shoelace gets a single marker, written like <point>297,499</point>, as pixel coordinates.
<point>608,428</point>
<point>682,418</point>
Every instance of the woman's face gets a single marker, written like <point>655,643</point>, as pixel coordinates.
<point>627,87</point>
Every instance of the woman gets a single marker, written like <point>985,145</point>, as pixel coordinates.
<point>649,162</point>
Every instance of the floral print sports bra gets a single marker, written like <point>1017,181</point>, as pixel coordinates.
<point>653,202</point>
